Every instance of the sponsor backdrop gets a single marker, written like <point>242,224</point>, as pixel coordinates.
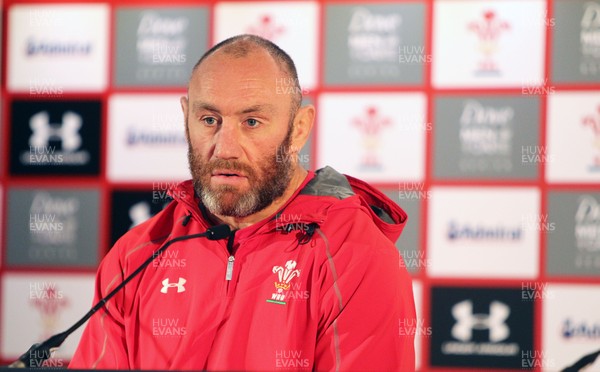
<point>480,118</point>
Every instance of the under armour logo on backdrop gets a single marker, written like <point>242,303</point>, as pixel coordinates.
<point>466,321</point>
<point>67,132</point>
<point>178,285</point>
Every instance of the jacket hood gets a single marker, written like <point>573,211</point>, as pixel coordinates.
<point>386,214</point>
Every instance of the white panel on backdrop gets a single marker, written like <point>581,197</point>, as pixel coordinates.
<point>378,137</point>
<point>573,137</point>
<point>293,26</point>
<point>496,43</point>
<point>146,138</point>
<point>57,48</point>
<point>571,325</point>
<point>37,306</point>
<point>490,232</point>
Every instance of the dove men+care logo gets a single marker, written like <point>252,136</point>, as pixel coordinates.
<point>55,137</point>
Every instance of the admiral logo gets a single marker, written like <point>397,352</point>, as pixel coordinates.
<point>57,48</point>
<point>494,322</point>
<point>161,39</point>
<point>587,224</point>
<point>145,137</point>
<point>589,39</point>
<point>580,330</point>
<point>371,124</point>
<point>593,121</point>
<point>486,131</point>
<point>267,28</point>
<point>488,31</point>
<point>480,232</point>
<point>374,37</point>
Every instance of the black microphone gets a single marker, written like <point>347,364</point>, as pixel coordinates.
<point>39,352</point>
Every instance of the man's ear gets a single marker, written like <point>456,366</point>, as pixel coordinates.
<point>184,108</point>
<point>303,123</point>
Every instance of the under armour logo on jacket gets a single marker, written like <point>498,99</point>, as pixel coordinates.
<point>467,321</point>
<point>167,285</point>
<point>67,132</point>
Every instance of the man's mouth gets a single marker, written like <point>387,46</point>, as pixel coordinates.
<point>226,173</point>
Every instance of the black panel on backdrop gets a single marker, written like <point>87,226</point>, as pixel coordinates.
<point>55,137</point>
<point>130,208</point>
<point>481,327</point>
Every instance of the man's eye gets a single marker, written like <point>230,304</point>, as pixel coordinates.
<point>252,122</point>
<point>209,120</point>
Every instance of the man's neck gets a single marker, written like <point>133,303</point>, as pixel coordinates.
<point>237,223</point>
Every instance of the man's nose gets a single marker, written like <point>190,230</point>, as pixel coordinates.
<point>227,141</point>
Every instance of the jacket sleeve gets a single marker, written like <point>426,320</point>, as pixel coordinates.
<point>103,345</point>
<point>367,309</point>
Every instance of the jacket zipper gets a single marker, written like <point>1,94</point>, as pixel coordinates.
<point>229,272</point>
<point>230,262</point>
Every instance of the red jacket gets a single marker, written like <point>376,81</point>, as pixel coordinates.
<point>316,286</point>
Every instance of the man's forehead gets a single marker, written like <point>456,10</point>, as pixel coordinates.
<point>243,107</point>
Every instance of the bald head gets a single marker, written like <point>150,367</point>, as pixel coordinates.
<point>241,46</point>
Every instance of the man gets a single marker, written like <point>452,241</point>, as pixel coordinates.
<point>309,279</point>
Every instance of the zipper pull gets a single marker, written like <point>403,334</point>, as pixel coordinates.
<point>229,273</point>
